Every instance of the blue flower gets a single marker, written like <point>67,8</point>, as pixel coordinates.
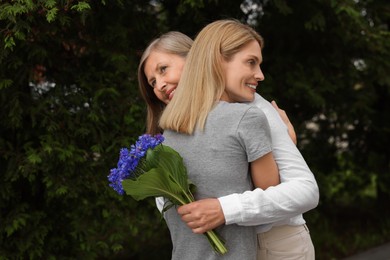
<point>129,159</point>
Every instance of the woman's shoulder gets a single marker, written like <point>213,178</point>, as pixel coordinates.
<point>238,110</point>
<point>239,107</point>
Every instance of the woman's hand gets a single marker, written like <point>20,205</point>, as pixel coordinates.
<point>202,215</point>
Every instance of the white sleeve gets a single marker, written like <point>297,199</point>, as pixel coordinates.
<point>160,203</point>
<point>297,193</point>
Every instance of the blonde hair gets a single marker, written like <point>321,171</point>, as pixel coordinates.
<point>171,42</point>
<point>202,82</point>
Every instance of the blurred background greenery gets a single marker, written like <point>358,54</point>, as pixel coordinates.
<point>69,101</point>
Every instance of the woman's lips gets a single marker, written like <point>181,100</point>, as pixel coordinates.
<point>171,93</point>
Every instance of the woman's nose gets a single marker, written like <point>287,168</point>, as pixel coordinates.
<point>259,75</point>
<point>160,84</point>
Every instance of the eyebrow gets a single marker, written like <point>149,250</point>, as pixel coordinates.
<point>252,56</point>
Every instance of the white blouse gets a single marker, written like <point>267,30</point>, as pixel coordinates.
<point>285,203</point>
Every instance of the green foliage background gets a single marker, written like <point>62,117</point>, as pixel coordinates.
<point>69,101</point>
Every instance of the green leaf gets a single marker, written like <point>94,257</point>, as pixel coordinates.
<point>9,42</point>
<point>62,190</point>
<point>164,174</point>
<point>17,223</point>
<point>154,183</point>
<point>5,83</point>
<point>49,3</point>
<point>117,247</point>
<point>81,6</point>
<point>34,158</point>
<point>170,161</point>
<point>51,14</point>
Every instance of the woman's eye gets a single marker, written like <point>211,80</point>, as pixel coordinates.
<point>163,69</point>
<point>252,62</point>
<point>153,83</point>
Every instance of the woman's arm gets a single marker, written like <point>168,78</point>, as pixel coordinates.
<point>286,120</point>
<point>264,172</point>
<point>297,193</point>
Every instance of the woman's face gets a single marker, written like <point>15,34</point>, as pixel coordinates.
<point>163,71</point>
<point>242,73</point>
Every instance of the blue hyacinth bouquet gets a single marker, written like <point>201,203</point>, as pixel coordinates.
<point>151,169</point>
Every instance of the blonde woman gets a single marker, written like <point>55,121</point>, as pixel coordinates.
<point>217,137</point>
<point>283,204</point>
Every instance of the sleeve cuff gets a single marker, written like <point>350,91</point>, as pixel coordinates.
<point>160,203</point>
<point>231,208</point>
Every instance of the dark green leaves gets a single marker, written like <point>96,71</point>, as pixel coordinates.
<point>165,176</point>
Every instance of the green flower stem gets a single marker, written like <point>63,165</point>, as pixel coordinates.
<point>218,245</point>
<point>189,197</point>
<point>213,238</point>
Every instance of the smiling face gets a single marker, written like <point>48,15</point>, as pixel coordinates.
<point>163,71</point>
<point>242,73</point>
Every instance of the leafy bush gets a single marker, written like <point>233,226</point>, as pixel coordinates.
<point>69,101</point>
